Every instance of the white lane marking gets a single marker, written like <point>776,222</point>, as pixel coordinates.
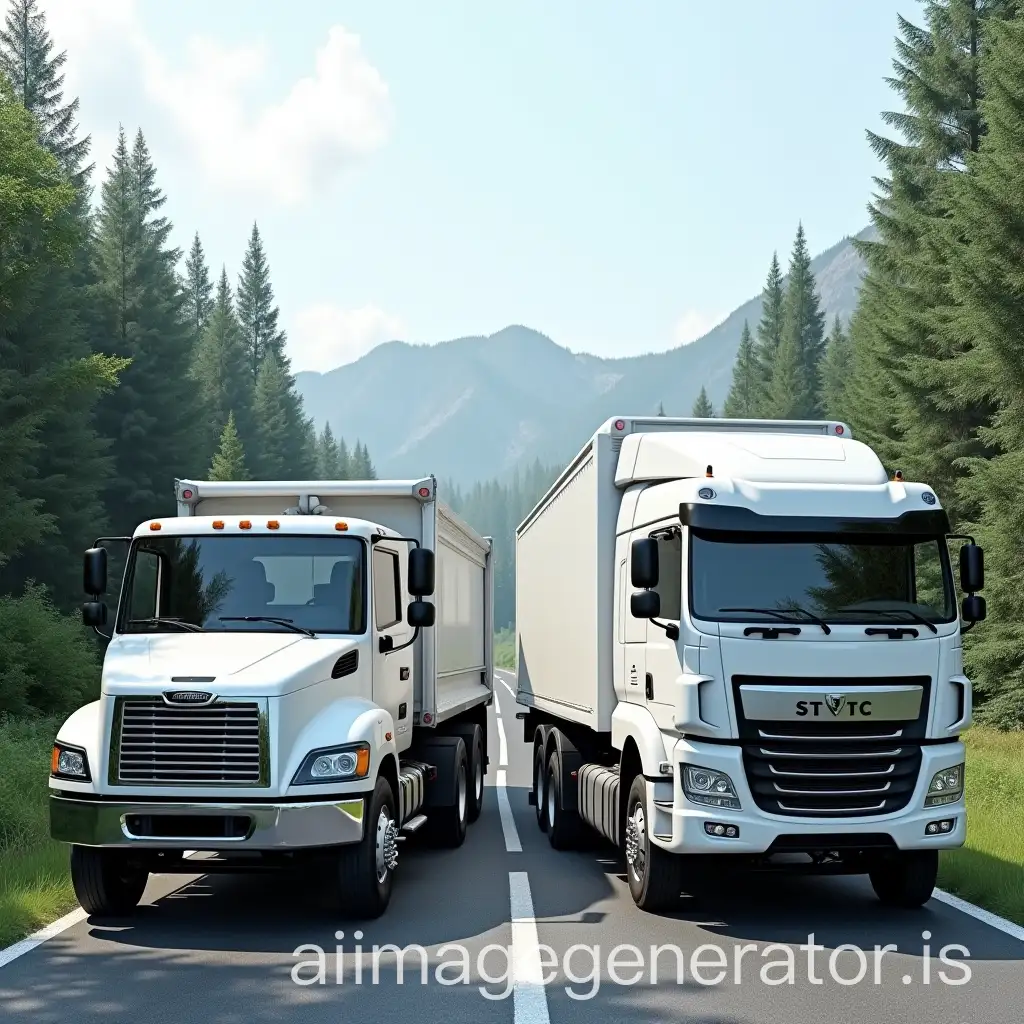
<point>502,744</point>
<point>509,688</point>
<point>41,936</point>
<point>979,914</point>
<point>508,822</point>
<point>529,996</point>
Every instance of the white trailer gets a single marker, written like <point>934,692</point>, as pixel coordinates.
<point>278,690</point>
<point>739,639</point>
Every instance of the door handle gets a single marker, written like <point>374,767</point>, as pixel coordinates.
<point>650,686</point>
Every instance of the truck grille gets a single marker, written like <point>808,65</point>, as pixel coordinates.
<point>219,744</point>
<point>832,769</point>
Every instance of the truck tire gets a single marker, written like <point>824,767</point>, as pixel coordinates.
<point>565,829</point>
<point>106,881</point>
<point>540,787</point>
<point>447,819</point>
<point>906,880</point>
<point>473,737</point>
<point>655,876</point>
<point>365,870</point>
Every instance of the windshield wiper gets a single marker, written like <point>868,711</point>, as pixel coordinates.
<point>267,618</point>
<point>916,616</point>
<point>825,627</point>
<point>166,620</point>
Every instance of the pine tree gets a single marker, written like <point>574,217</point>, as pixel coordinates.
<point>344,460</point>
<point>360,466</point>
<point>835,368</point>
<point>38,382</point>
<point>661,409</point>
<point>803,324</point>
<point>229,462</point>
<point>198,291</point>
<point>154,417</point>
<point>769,329</point>
<point>702,406</point>
<point>747,392</point>
<point>903,396</point>
<point>220,369</point>
<point>279,429</point>
<point>985,270</point>
<point>35,74</point>
<point>787,395</point>
<point>256,310</point>
<point>328,461</point>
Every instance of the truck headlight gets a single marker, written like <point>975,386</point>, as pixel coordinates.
<point>70,763</point>
<point>946,787</point>
<point>709,787</point>
<point>334,764</point>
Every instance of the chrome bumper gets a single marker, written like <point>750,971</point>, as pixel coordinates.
<point>202,826</point>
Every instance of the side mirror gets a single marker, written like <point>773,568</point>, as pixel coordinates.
<point>94,613</point>
<point>972,569</point>
<point>973,608</point>
<point>645,604</point>
<point>420,614</point>
<point>421,572</point>
<point>94,571</point>
<point>643,563</point>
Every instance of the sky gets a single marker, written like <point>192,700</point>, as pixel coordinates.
<point>615,176</point>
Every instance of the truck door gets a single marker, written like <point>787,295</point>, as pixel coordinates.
<point>662,661</point>
<point>632,632</point>
<point>392,670</point>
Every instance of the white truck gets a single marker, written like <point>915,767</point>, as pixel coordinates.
<point>277,690</point>
<point>738,641</point>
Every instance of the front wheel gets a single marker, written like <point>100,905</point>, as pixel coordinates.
<point>907,880</point>
<point>365,870</point>
<point>107,882</point>
<point>655,876</point>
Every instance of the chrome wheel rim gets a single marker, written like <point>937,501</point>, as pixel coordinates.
<point>478,779</point>
<point>551,803</point>
<point>636,843</point>
<point>538,791</point>
<point>386,845</point>
<point>463,792</point>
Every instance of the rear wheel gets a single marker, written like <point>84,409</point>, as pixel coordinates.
<point>540,787</point>
<point>565,829</point>
<point>447,820</point>
<point>365,870</point>
<point>906,880</point>
<point>473,736</point>
<point>655,876</point>
<point>107,882</point>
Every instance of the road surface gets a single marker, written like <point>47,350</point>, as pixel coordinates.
<point>222,950</point>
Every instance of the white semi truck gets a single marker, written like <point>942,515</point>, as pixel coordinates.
<point>737,641</point>
<point>278,690</point>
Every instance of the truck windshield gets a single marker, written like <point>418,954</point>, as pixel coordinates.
<point>174,584</point>
<point>871,579</point>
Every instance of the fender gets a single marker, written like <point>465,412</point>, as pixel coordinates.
<point>634,720</point>
<point>84,728</point>
<point>348,720</point>
<point>571,760</point>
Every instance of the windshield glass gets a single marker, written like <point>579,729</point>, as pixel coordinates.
<point>317,582</point>
<point>853,580</point>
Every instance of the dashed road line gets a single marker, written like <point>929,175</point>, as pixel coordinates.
<point>529,996</point>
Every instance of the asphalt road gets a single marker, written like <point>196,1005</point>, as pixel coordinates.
<point>222,950</point>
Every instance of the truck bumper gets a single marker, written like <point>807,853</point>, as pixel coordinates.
<point>203,826</point>
<point>679,825</point>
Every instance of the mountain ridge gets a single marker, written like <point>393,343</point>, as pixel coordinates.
<point>477,407</point>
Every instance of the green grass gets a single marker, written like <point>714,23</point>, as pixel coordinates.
<point>505,649</point>
<point>989,870</point>
<point>35,888</point>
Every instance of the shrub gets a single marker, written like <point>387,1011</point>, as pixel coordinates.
<point>49,665</point>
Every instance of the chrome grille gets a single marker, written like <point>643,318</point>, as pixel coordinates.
<point>218,744</point>
<point>832,769</point>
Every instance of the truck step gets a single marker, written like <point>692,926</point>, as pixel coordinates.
<point>414,823</point>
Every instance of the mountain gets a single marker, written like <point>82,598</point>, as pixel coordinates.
<point>476,408</point>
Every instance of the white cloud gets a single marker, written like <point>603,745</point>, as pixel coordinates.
<point>694,324</point>
<point>287,149</point>
<point>325,336</point>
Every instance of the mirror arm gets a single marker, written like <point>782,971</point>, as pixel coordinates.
<point>408,643</point>
<point>966,627</point>
<point>671,629</point>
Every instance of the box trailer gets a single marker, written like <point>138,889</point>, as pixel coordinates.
<point>738,639</point>
<point>296,671</point>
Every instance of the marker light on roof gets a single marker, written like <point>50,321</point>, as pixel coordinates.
<point>154,526</point>
<point>187,493</point>
<point>244,524</point>
<point>272,524</point>
<point>839,428</point>
<point>898,476</point>
<point>709,473</point>
<point>424,492</point>
<point>620,424</point>
<point>218,524</point>
<point>341,526</point>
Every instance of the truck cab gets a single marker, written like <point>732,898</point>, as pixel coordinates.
<point>277,688</point>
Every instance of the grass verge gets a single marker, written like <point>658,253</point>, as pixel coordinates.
<point>505,649</point>
<point>35,887</point>
<point>989,870</point>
